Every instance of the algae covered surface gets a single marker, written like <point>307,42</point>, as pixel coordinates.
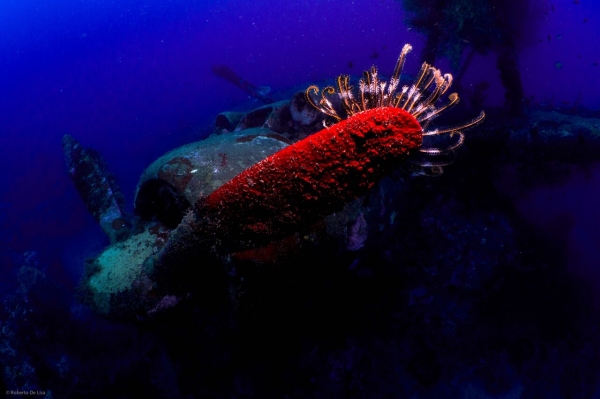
<point>118,266</point>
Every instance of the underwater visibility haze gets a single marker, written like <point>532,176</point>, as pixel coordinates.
<point>318,199</point>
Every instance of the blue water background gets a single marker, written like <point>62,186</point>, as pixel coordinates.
<point>133,80</point>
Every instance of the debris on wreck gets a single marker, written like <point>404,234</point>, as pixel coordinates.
<point>97,188</point>
<point>225,72</point>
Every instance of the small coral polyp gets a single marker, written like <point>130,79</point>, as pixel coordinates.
<point>419,99</point>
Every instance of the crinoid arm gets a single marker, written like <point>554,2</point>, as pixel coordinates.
<point>324,105</point>
<point>422,99</point>
<point>467,125</point>
<point>433,159</point>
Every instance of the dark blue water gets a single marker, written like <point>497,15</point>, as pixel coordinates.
<point>133,80</point>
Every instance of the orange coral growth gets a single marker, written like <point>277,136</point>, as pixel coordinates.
<point>310,179</point>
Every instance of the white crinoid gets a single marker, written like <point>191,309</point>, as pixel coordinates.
<point>421,99</point>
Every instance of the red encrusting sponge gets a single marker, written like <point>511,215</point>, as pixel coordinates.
<point>310,179</point>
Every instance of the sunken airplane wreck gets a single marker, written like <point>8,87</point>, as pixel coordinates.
<point>281,185</point>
